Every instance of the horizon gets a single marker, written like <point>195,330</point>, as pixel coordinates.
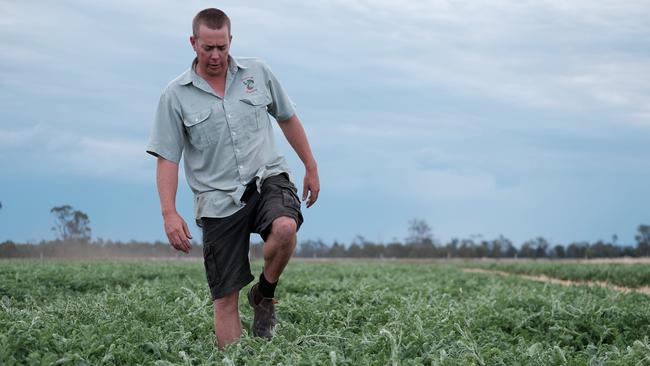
<point>357,239</point>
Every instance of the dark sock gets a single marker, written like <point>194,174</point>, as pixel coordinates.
<point>267,288</point>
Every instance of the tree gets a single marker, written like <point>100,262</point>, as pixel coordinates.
<point>510,251</point>
<point>500,247</point>
<point>541,247</point>
<point>535,248</point>
<point>528,250</point>
<point>643,240</point>
<point>8,249</point>
<point>467,248</point>
<point>395,249</point>
<point>70,224</point>
<point>337,250</point>
<point>452,247</point>
<point>577,250</point>
<point>312,248</point>
<point>419,232</point>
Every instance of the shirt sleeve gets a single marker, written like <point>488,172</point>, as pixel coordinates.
<point>281,107</point>
<point>167,135</point>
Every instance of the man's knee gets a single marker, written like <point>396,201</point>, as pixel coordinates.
<point>284,228</point>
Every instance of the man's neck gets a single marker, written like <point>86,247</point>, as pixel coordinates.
<point>221,77</point>
<point>217,82</point>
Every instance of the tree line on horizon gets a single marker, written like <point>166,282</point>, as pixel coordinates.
<point>501,247</point>
<point>73,232</point>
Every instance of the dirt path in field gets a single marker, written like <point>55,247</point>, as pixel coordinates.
<point>545,279</point>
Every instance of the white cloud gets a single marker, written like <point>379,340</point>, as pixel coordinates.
<point>60,152</point>
<point>546,54</point>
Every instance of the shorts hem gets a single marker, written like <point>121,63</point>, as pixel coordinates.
<point>219,292</point>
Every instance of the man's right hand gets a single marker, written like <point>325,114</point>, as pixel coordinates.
<point>177,232</point>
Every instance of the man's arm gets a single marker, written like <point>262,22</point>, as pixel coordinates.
<point>175,227</point>
<point>295,134</point>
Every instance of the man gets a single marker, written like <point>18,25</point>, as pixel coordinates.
<point>216,115</point>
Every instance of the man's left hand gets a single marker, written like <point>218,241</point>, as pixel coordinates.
<point>310,187</point>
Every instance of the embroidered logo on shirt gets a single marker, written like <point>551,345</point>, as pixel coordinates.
<point>249,82</point>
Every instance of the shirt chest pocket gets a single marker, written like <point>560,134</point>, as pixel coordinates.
<point>202,128</point>
<point>254,113</point>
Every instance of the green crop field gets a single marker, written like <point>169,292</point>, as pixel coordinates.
<point>631,275</point>
<point>348,313</point>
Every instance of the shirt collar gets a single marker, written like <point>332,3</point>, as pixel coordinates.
<point>192,77</point>
<point>233,64</point>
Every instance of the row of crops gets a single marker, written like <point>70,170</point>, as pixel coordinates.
<point>631,275</point>
<point>353,313</point>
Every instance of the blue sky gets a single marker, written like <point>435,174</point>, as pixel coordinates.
<point>481,117</point>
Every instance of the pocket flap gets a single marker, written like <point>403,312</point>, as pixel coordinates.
<point>193,118</point>
<point>256,100</point>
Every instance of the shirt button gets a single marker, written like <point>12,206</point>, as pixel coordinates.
<point>241,167</point>
<point>234,133</point>
<point>236,150</point>
<point>229,115</point>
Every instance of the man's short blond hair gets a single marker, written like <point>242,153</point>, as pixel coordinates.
<point>212,18</point>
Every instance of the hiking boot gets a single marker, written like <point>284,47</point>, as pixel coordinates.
<point>264,307</point>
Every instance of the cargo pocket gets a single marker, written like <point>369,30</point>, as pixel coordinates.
<point>290,198</point>
<point>256,115</point>
<point>211,268</point>
<point>202,131</point>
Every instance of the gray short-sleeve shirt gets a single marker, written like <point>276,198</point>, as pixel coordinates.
<point>225,142</point>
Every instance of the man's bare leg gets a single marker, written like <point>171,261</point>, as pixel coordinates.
<point>277,251</point>
<point>227,325</point>
<point>279,247</point>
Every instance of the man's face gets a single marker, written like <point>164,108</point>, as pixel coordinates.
<point>211,47</point>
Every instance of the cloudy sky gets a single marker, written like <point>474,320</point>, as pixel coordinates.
<point>521,118</point>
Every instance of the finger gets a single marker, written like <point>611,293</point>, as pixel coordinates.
<point>305,188</point>
<point>186,244</point>
<point>172,236</point>
<point>312,198</point>
<point>188,235</point>
<point>171,240</point>
<point>186,230</point>
<point>308,202</point>
<point>178,240</point>
<point>176,246</point>
<point>185,247</point>
<point>182,241</point>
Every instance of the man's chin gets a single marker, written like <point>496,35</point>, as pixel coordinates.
<point>214,71</point>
